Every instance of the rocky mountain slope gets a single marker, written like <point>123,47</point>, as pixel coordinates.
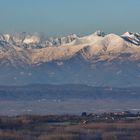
<point>98,59</point>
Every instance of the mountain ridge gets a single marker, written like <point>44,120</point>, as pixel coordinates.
<point>30,49</point>
<point>98,59</point>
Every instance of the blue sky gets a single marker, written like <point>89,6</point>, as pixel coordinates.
<point>61,17</point>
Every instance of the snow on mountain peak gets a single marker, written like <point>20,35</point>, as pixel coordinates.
<point>7,37</point>
<point>32,48</point>
<point>132,37</point>
<point>31,39</point>
<point>100,33</point>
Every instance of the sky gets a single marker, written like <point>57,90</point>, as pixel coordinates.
<point>62,17</point>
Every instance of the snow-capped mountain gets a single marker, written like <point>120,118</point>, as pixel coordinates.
<point>33,49</point>
<point>96,59</point>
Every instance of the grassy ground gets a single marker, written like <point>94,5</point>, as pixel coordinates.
<point>66,128</point>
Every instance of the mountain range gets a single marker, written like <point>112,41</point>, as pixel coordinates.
<point>98,59</point>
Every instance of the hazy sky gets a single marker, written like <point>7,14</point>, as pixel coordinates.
<point>60,17</point>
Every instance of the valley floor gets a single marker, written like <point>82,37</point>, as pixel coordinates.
<point>70,127</point>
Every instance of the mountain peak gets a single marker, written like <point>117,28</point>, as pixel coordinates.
<point>132,37</point>
<point>99,33</point>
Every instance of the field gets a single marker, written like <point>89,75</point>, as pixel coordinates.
<point>27,127</point>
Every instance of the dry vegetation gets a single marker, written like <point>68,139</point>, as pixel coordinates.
<point>40,128</point>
